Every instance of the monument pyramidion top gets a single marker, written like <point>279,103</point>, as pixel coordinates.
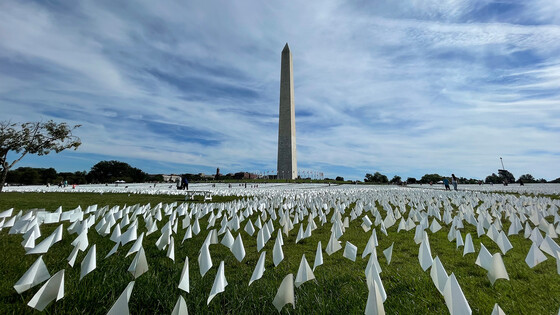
<point>286,48</point>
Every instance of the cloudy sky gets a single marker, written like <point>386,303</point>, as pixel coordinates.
<point>403,87</point>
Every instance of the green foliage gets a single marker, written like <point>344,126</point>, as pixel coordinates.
<point>411,180</point>
<point>499,179</point>
<point>433,178</point>
<point>493,179</point>
<point>526,178</point>
<point>376,178</point>
<point>111,171</point>
<point>339,179</point>
<point>396,180</point>
<point>506,176</point>
<point>33,138</point>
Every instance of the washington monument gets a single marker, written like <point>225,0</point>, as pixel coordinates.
<point>287,159</point>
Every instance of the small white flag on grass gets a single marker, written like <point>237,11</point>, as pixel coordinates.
<point>371,244</point>
<point>435,226</point>
<point>139,264</point>
<point>277,253</point>
<point>36,274</point>
<point>49,241</point>
<point>121,305</point>
<point>89,263</point>
<point>81,242</point>
<point>171,249</point>
<point>484,258</point>
<point>469,246</point>
<point>304,272</point>
<point>503,242</point>
<point>372,275</point>
<point>318,256</point>
<point>557,256</point>
<point>439,275</point>
<point>374,304</point>
<point>535,256</point>
<point>116,235</point>
<point>188,234</point>
<point>388,253</point>
<point>7,213</point>
<point>300,233</point>
<point>497,310</point>
<point>220,283</point>
<point>459,239</point>
<point>51,290</point>
<point>425,253</point>
<point>333,245</point>
<point>184,283</point>
<point>136,246</point>
<point>113,250</point>
<point>249,228</point>
<point>259,268</point>
<point>454,297</point>
<point>129,236</point>
<point>497,269</point>
<point>180,307</point>
<point>549,246</point>
<point>228,240</point>
<point>350,251</point>
<point>204,260</point>
<point>285,293</point>
<point>72,258</point>
<point>260,240</point>
<point>238,249</point>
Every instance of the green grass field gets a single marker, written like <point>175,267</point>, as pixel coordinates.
<point>340,285</point>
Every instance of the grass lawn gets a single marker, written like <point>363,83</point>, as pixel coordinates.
<point>340,285</point>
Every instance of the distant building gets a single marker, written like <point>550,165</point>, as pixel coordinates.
<point>171,178</point>
<point>204,176</point>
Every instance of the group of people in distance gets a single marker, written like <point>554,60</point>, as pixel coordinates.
<point>453,182</point>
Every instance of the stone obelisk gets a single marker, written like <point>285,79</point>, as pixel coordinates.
<point>287,160</point>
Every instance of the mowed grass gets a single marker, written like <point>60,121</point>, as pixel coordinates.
<point>339,288</point>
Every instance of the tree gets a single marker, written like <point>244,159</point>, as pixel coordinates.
<point>506,176</point>
<point>396,180</point>
<point>433,178</point>
<point>526,178</point>
<point>33,138</point>
<point>110,171</point>
<point>493,179</point>
<point>557,181</point>
<point>376,178</point>
<point>411,180</point>
<point>339,179</point>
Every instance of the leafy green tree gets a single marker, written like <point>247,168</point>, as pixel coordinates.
<point>556,181</point>
<point>376,178</point>
<point>493,179</point>
<point>434,178</point>
<point>339,179</point>
<point>396,180</point>
<point>33,138</point>
<point>111,171</point>
<point>411,180</point>
<point>526,178</point>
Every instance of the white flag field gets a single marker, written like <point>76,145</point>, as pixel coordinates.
<point>281,247</point>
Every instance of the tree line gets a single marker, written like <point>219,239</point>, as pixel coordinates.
<point>378,178</point>
<point>101,173</point>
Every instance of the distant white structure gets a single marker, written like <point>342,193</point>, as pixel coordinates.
<point>172,178</point>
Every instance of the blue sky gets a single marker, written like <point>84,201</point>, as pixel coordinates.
<point>402,87</point>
